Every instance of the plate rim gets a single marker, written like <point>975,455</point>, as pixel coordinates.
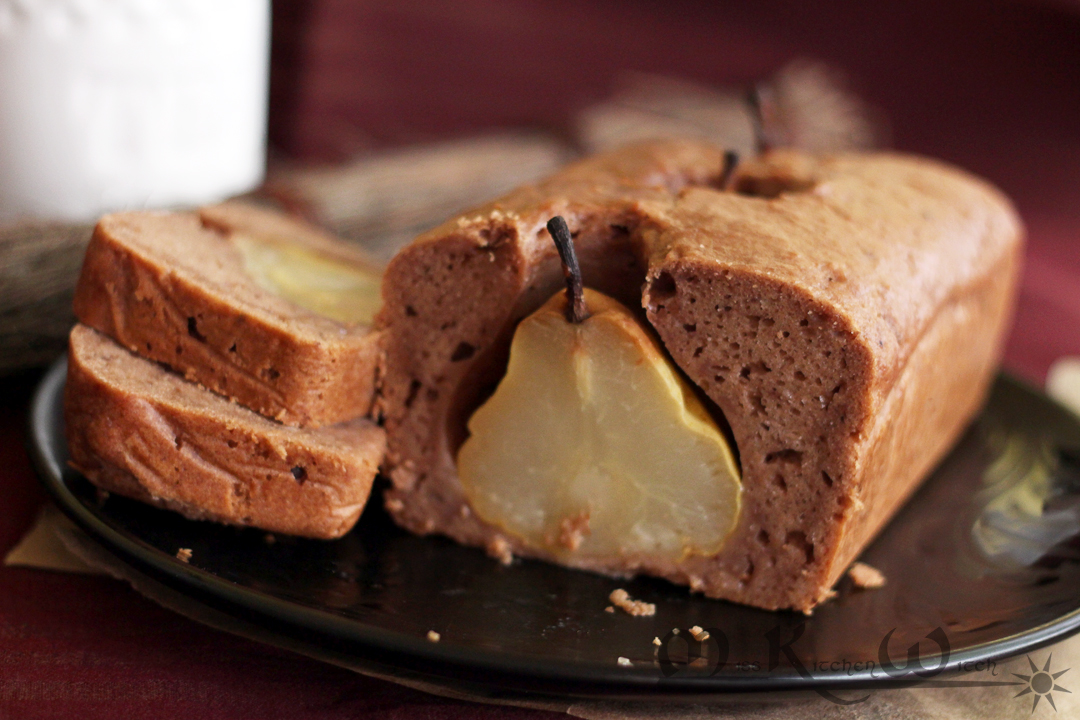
<point>446,660</point>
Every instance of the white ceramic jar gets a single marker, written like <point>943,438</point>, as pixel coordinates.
<point>109,104</point>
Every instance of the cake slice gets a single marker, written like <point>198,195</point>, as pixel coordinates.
<point>840,317</point>
<point>138,430</point>
<point>249,303</point>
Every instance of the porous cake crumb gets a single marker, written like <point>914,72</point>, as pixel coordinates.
<point>183,554</point>
<point>866,577</point>
<point>433,636</point>
<point>638,608</point>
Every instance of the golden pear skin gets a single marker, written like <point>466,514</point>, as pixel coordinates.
<point>594,446</point>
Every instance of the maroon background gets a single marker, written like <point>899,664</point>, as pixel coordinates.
<point>992,86</point>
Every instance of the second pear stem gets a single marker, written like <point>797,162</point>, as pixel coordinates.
<point>727,172</point>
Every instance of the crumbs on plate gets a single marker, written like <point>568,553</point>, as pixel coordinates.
<point>866,577</point>
<point>638,608</point>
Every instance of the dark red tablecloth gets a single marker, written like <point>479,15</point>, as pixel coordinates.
<point>992,86</point>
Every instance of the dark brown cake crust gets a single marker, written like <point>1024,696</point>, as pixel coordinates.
<point>136,429</point>
<point>845,314</point>
<point>168,288</point>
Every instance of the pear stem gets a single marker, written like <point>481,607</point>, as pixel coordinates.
<point>576,311</point>
<point>727,171</point>
<point>758,100</point>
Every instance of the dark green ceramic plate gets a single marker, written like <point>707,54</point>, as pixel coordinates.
<point>982,563</point>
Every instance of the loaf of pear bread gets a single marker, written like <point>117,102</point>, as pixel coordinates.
<point>139,430</point>
<point>247,302</point>
<point>843,315</point>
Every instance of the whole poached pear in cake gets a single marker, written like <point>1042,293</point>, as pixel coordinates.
<point>592,444</point>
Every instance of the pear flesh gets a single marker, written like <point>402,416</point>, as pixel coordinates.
<point>316,282</point>
<point>593,446</point>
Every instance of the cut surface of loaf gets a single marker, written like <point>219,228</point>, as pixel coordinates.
<point>138,430</point>
<point>245,301</point>
<point>843,315</point>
